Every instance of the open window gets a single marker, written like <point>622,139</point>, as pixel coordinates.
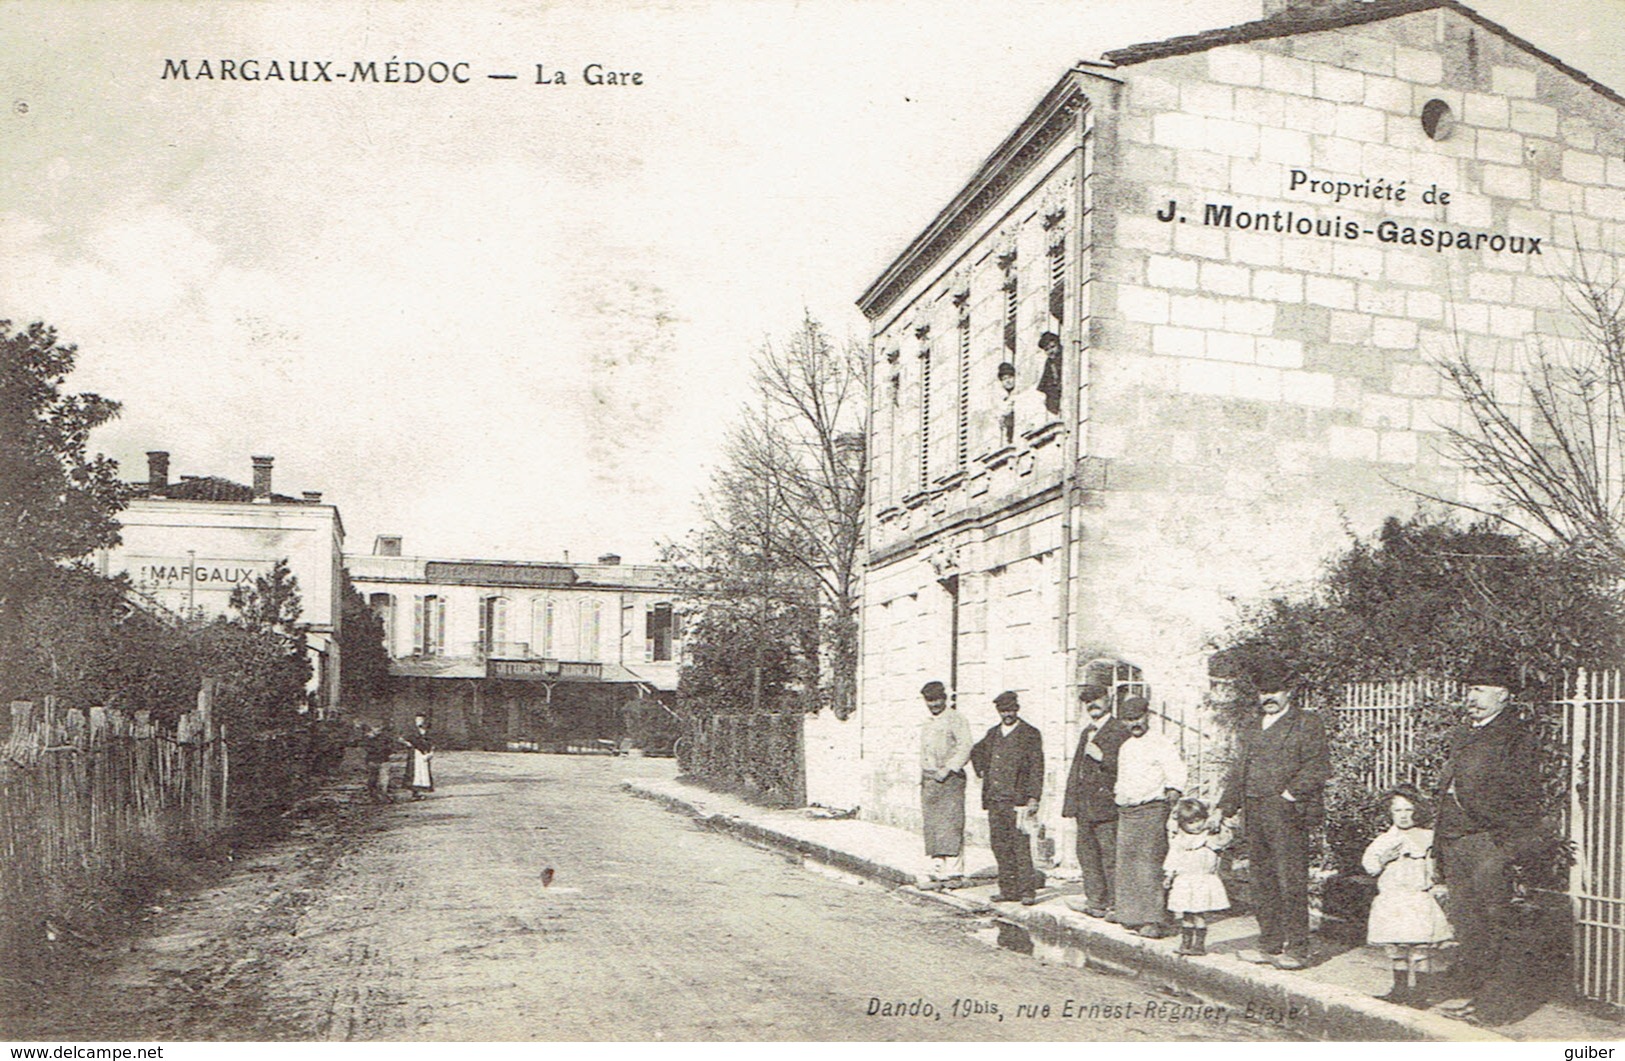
<point>383,606</point>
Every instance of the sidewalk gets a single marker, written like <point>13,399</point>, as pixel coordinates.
<point>1333,999</point>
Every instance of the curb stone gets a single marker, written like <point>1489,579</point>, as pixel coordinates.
<point>1320,1010</point>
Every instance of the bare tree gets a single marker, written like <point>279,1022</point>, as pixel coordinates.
<point>1554,453</point>
<point>783,517</point>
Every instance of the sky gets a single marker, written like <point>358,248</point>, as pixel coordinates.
<point>506,319</point>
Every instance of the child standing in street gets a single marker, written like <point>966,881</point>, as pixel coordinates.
<point>1191,873</point>
<point>1406,920</point>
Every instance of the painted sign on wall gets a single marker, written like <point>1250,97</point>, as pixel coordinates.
<point>202,573</point>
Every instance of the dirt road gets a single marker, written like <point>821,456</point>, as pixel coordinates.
<point>431,921</point>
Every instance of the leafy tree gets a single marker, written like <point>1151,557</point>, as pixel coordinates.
<point>79,639</point>
<point>260,655</point>
<point>751,640</point>
<point>270,603</point>
<point>56,501</point>
<point>364,661</point>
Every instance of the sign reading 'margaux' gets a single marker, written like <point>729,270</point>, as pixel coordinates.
<point>202,573</point>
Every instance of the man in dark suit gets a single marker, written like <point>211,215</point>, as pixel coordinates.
<point>1010,762</point>
<point>1488,819</point>
<point>1089,799</point>
<point>1278,779</point>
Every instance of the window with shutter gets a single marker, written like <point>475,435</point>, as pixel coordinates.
<point>541,627</point>
<point>962,453</point>
<point>658,628</point>
<point>923,335</point>
<point>436,636</point>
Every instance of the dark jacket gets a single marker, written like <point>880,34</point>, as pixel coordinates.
<point>380,748</point>
<point>1290,756</point>
<point>1011,768</point>
<point>1496,778</point>
<point>1089,783</point>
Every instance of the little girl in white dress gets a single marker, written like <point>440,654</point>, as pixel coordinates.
<point>1406,920</point>
<point>1191,873</point>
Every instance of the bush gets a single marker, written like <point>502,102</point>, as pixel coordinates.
<point>650,726</point>
<point>757,755</point>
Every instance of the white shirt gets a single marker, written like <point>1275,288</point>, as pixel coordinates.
<point>1145,767</point>
<point>1266,721</point>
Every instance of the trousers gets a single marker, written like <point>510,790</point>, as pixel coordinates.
<point>1278,851</point>
<point>1097,860</point>
<point>1012,850</point>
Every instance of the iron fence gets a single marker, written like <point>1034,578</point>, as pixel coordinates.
<point>1582,734</point>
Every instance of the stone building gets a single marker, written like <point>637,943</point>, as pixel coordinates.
<point>1175,338</point>
<point>187,543</point>
<point>522,655</point>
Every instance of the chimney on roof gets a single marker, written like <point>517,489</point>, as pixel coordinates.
<point>387,545</point>
<point>157,471</point>
<point>314,497</point>
<point>610,558</point>
<point>1273,8</point>
<point>262,478</point>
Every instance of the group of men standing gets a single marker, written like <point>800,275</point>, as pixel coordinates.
<point>1124,780</point>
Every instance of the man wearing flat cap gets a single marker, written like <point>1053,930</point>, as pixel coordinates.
<point>1089,800</point>
<point>1488,818</point>
<point>1010,762</point>
<point>945,744</point>
<point>1279,779</point>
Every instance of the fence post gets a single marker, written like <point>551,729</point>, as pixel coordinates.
<point>1578,723</point>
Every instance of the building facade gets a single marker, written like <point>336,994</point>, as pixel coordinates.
<point>522,655</point>
<point>187,543</point>
<point>1178,336</point>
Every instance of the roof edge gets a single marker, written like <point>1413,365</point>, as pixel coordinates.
<point>1292,25</point>
<point>1042,126</point>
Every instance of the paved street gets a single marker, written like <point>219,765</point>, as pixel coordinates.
<point>431,921</point>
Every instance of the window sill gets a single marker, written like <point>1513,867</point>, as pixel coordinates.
<point>913,501</point>
<point>1044,434</point>
<point>999,457</point>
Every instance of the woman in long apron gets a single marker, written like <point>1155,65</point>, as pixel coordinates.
<point>419,762</point>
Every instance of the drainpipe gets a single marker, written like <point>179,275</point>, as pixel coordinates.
<point>1076,447</point>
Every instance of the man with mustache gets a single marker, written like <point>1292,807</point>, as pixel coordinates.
<point>1278,780</point>
<point>1090,801</point>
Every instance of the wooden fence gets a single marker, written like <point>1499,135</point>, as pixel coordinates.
<point>1582,733</point>
<point>760,755</point>
<point>85,795</point>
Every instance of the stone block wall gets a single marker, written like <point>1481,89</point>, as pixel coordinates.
<point>1262,384</point>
